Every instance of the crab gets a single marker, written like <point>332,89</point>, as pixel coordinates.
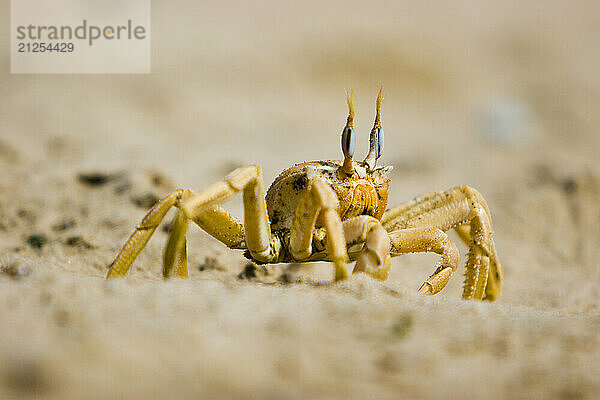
<point>331,211</point>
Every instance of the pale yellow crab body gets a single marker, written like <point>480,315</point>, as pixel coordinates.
<point>360,193</point>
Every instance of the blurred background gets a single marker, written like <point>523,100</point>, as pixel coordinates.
<point>502,96</point>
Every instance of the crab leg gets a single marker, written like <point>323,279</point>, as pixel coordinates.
<point>222,226</point>
<point>374,258</point>
<point>142,234</point>
<point>427,239</point>
<point>457,208</point>
<point>203,209</point>
<point>319,202</point>
<point>216,222</point>
<point>175,255</point>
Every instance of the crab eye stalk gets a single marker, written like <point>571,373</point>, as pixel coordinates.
<point>380,143</point>
<point>349,136</point>
<point>348,142</point>
<point>376,138</point>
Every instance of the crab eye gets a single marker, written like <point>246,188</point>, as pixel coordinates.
<point>380,142</point>
<point>348,142</point>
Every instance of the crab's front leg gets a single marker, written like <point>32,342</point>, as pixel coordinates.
<point>319,204</point>
<point>374,258</point>
<point>421,240</point>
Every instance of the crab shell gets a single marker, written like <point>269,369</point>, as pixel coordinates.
<point>362,193</point>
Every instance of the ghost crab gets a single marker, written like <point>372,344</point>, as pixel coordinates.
<point>334,211</point>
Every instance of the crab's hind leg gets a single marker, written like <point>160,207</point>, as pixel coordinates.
<point>138,239</point>
<point>457,208</point>
<point>203,208</point>
<point>175,255</point>
<point>319,203</point>
<point>489,279</point>
<point>216,222</point>
<point>222,226</point>
<point>482,255</point>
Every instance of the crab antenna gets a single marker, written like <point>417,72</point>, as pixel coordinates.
<point>348,135</point>
<point>373,155</point>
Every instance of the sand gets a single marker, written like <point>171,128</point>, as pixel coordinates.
<point>500,96</point>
